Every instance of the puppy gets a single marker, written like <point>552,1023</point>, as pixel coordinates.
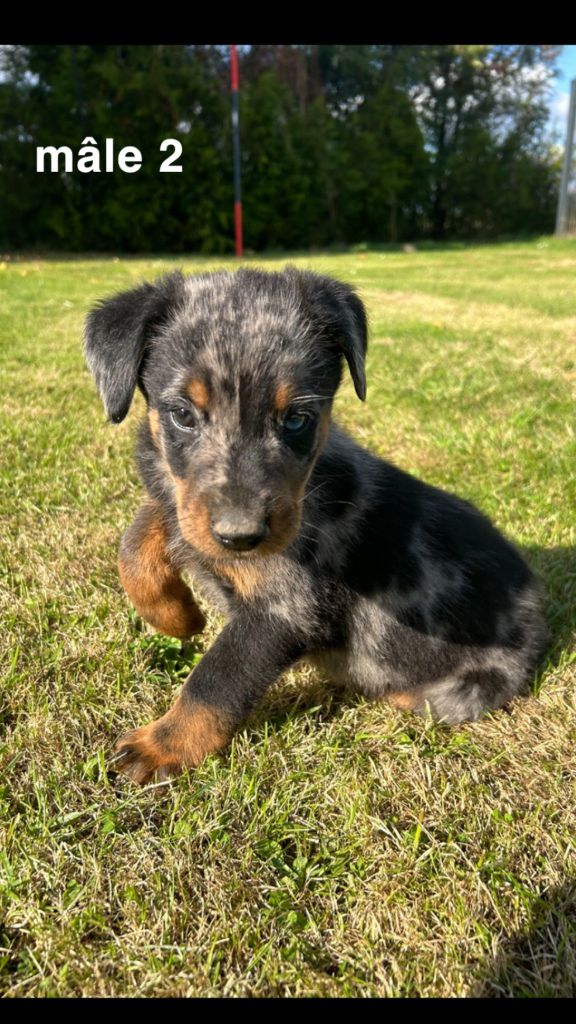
<point>313,547</point>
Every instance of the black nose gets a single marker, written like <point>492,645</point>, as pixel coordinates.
<point>240,536</point>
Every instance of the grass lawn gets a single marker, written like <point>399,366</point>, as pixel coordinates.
<point>339,847</point>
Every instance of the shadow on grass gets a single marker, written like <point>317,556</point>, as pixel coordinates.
<point>556,568</point>
<point>424,245</point>
<point>169,656</point>
<point>319,697</point>
<point>541,961</point>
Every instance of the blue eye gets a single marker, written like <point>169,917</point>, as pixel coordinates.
<point>296,422</point>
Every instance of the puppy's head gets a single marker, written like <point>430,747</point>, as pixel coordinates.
<point>239,371</point>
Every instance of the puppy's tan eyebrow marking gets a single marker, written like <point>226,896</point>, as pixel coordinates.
<point>199,394</point>
<point>283,396</point>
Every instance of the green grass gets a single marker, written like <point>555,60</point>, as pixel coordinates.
<point>340,847</point>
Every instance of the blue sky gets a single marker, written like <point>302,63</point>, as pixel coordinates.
<point>561,95</point>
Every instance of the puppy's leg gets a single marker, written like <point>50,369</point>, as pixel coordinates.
<point>152,582</point>
<point>250,653</point>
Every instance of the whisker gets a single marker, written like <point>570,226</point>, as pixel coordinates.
<point>309,398</point>
<point>312,554</point>
<point>313,491</point>
<point>338,502</point>
<point>276,500</point>
<point>318,529</point>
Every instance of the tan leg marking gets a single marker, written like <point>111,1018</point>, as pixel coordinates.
<point>152,583</point>
<point>405,701</point>
<point>182,738</point>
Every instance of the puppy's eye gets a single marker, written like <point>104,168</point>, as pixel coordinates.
<point>184,418</point>
<point>296,422</point>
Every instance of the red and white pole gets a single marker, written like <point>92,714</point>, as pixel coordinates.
<point>234,81</point>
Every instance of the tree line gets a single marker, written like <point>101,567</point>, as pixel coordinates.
<point>340,145</point>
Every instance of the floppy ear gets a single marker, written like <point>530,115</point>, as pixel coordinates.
<point>342,317</point>
<point>117,335</point>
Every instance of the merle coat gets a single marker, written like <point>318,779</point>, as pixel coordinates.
<point>313,547</point>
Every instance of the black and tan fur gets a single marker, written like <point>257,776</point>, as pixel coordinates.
<point>314,548</point>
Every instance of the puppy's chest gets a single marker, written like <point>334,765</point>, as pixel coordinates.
<point>231,583</point>
<point>245,580</point>
<point>283,589</point>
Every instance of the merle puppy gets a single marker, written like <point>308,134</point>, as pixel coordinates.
<point>314,548</point>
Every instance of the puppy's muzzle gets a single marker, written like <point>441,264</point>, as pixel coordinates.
<point>239,533</point>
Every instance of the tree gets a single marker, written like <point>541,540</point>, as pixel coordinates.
<point>139,96</point>
<point>339,144</point>
<point>474,103</point>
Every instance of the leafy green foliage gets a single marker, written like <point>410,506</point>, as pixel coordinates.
<point>340,145</point>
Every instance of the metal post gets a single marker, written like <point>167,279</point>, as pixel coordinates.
<point>236,149</point>
<point>562,213</point>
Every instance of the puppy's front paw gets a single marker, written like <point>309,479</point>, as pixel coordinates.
<point>178,740</point>
<point>141,757</point>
